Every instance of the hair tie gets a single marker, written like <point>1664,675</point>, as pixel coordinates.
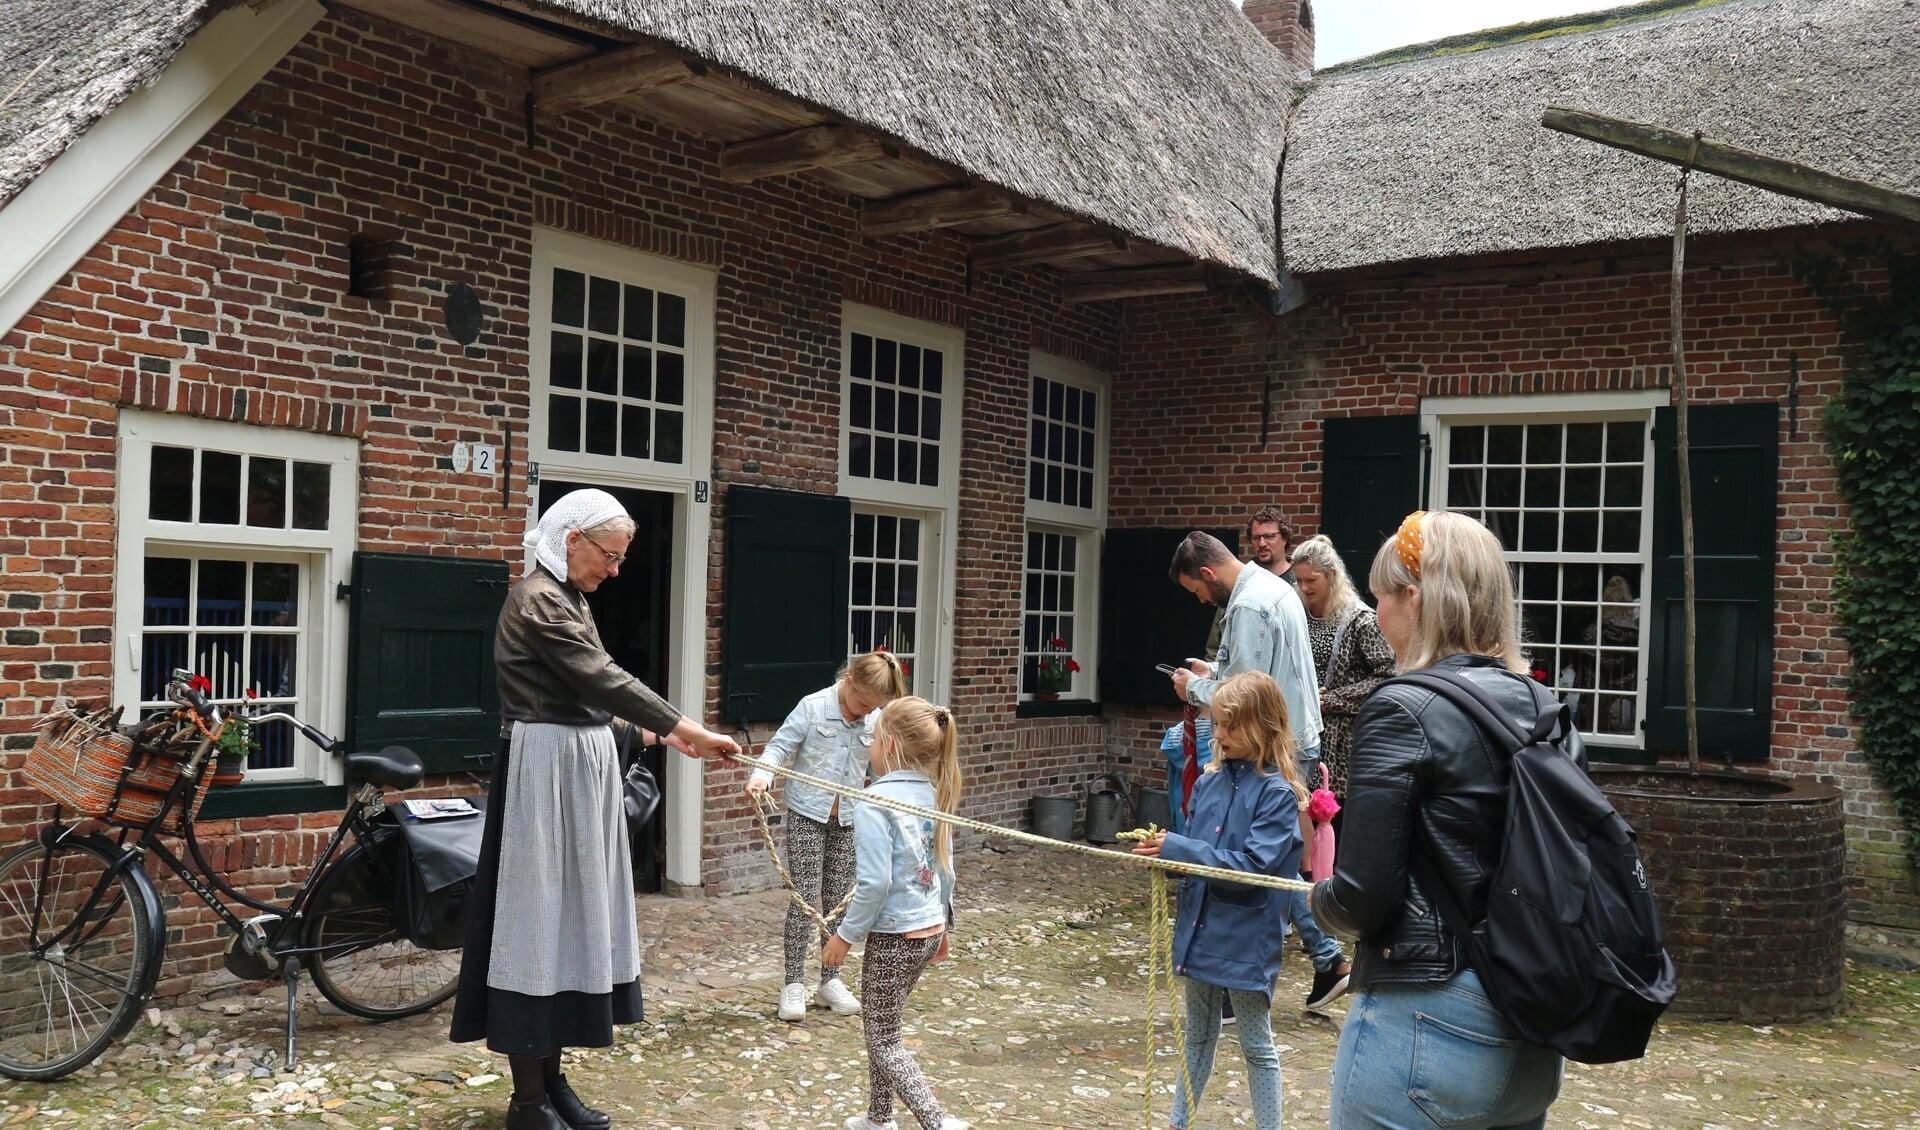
<point>940,716</point>
<point>1408,544</point>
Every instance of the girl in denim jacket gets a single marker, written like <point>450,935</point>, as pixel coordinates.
<point>903,900</point>
<point>829,735</point>
<point>1228,938</point>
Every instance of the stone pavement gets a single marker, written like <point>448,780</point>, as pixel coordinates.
<point>1037,1022</point>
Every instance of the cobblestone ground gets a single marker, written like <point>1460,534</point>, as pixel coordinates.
<point>1039,1021</point>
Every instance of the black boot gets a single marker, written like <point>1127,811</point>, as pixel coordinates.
<point>577,1114</point>
<point>535,1114</point>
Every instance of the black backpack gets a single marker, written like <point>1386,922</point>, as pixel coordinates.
<point>1570,949</point>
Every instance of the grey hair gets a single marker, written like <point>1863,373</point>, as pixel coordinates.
<point>1318,552</point>
<point>613,527</point>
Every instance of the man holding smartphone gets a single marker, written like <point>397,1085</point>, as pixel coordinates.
<point>1264,629</point>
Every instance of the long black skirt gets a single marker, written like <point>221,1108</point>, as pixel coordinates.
<point>516,1023</point>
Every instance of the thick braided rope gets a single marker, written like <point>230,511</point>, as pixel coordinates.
<point>761,803</point>
<point>1246,878</point>
<point>1160,973</point>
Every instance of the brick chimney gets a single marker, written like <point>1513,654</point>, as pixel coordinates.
<point>1289,25</point>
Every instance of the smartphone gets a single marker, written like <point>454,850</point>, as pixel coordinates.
<point>1165,668</point>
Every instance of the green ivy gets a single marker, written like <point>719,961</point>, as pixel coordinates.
<point>1873,429</point>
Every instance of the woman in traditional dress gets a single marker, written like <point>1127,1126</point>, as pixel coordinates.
<point>553,953</point>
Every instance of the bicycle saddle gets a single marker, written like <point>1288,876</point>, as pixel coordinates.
<point>396,767</point>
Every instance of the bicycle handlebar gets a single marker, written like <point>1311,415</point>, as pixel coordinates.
<point>183,689</point>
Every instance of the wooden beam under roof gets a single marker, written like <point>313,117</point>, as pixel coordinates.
<point>1757,169</point>
<point>814,147</point>
<point>620,73</point>
<point>1044,245</point>
<point>937,208</point>
<point>1134,282</point>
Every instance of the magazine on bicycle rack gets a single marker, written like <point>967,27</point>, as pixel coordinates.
<point>439,808</point>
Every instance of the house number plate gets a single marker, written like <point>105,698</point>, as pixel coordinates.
<point>478,458</point>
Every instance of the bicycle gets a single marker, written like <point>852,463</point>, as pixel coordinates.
<point>83,928</point>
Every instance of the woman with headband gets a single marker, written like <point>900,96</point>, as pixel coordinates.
<point>1421,1043</point>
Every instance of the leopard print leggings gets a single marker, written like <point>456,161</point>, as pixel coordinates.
<point>894,962</point>
<point>820,859</point>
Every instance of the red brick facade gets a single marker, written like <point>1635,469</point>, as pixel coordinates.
<point>224,295</point>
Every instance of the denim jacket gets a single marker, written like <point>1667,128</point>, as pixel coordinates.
<point>820,742</point>
<point>901,886</point>
<point>1229,934</point>
<point>1266,630</point>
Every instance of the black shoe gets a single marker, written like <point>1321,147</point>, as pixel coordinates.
<point>536,1115</point>
<point>1226,1011</point>
<point>1328,985</point>
<point>568,1106</point>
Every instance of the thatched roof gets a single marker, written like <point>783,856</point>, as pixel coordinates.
<point>1161,118</point>
<point>1437,152</point>
<point>84,57</point>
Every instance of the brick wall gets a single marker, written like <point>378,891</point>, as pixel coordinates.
<point>1188,399</point>
<point>223,294</point>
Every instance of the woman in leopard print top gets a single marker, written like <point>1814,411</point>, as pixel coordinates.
<point>1349,652</point>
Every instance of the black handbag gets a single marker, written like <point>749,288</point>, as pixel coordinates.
<point>639,792</point>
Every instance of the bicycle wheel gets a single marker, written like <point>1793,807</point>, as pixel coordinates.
<point>74,976</point>
<point>363,962</point>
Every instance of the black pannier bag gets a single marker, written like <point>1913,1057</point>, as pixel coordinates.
<point>1570,950</point>
<point>433,867</point>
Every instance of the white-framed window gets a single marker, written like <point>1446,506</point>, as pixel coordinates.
<point>1066,510</point>
<point>231,539</point>
<point>900,465</point>
<point>1566,483</point>
<point>620,349</point>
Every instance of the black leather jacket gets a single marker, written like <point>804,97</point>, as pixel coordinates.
<point>1423,779</point>
<point>551,666</point>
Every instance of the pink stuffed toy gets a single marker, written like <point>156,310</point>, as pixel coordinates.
<point>1321,807</point>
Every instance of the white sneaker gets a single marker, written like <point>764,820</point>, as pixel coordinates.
<point>835,995</point>
<point>862,1122</point>
<point>793,1002</point>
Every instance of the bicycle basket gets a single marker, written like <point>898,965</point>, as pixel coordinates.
<point>86,764</point>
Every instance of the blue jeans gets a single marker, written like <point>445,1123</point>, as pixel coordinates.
<point>1413,1057</point>
<point>1322,950</point>
<point>1204,1002</point>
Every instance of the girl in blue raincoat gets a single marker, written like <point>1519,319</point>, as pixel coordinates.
<point>1229,937</point>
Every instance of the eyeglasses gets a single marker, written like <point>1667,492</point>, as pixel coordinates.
<point>614,559</point>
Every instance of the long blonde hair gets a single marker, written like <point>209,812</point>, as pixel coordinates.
<point>1251,707</point>
<point>877,676</point>
<point>1466,592</point>
<point>1318,552</point>
<point>926,738</point>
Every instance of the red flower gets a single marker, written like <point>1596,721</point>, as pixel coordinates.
<point>200,683</point>
<point>1058,643</point>
<point>1072,666</point>
<point>1540,674</point>
<point>906,668</point>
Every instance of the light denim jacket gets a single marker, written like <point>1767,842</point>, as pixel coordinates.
<point>1266,630</point>
<point>901,886</point>
<point>820,742</point>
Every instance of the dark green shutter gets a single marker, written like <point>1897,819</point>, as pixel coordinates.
<point>1735,482</point>
<point>421,668</point>
<point>1146,617</point>
<point>786,599</point>
<point>1369,482</point>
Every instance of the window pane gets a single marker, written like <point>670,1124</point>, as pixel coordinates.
<point>672,327</point>
<point>312,496</point>
<point>1504,444</point>
<point>1626,442</point>
<point>670,377</point>
<point>1543,444</point>
<point>603,306</point>
<point>636,431</point>
<point>602,427</point>
<point>1503,486</point>
<point>1620,532</point>
<point>564,358</point>
<point>220,657</point>
<point>863,535</point>
<point>639,314</point>
<point>909,371</point>
<point>1623,486</point>
<point>636,373</point>
<point>667,440</point>
<point>1583,486</point>
<point>170,484</point>
<point>1469,444</point>
<point>267,493</point>
<point>563,423</point>
<point>223,593</point>
<point>603,367</point>
<point>569,297</point>
<point>860,364</point>
<point>273,667</point>
<point>1583,443</point>
<point>276,594</point>
<point>930,370</point>
<point>165,592</point>
<point>219,488</point>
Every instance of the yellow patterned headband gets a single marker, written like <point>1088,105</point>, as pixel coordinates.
<point>1407,542</point>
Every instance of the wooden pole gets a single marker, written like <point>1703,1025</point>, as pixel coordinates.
<point>1686,464</point>
<point>23,82</point>
<point>1785,177</point>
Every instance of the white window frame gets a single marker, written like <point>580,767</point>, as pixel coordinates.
<point>936,507</point>
<point>1086,525</point>
<point>1439,414</point>
<point>326,557</point>
<point>687,480</point>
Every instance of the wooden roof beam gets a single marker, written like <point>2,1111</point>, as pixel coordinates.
<point>1135,282</point>
<point>1044,245</point>
<point>813,147</point>
<point>937,208</point>
<point>605,77</point>
<point>1771,173</point>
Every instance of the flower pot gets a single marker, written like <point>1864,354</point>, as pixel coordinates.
<point>1047,696</point>
<point>229,768</point>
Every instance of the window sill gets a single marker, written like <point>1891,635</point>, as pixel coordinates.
<point>278,798</point>
<point>1065,708</point>
<point>1619,755</point>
